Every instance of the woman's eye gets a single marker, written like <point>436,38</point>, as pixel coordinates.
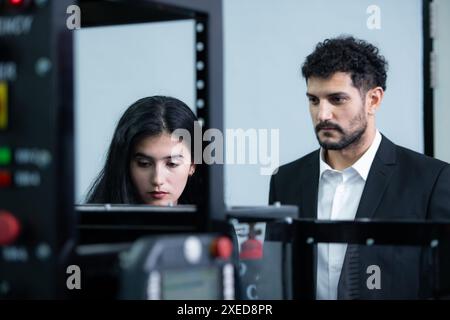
<point>143,164</point>
<point>172,165</point>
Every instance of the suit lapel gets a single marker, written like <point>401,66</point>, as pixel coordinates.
<point>309,185</point>
<point>310,188</point>
<point>383,166</point>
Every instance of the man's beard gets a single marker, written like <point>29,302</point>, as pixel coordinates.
<point>347,138</point>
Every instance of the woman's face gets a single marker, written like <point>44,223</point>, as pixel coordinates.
<point>160,168</point>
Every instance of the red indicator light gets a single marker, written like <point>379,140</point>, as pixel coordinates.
<point>5,179</point>
<point>9,228</point>
<point>16,2</point>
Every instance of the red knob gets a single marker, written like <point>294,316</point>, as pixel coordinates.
<point>222,247</point>
<point>251,249</point>
<point>9,228</point>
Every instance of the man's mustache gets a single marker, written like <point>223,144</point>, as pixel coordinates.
<point>328,125</point>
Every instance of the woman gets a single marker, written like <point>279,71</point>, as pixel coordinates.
<point>145,165</point>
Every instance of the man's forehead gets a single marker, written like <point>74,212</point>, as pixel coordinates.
<point>337,82</point>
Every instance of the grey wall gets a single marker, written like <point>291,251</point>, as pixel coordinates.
<point>266,42</point>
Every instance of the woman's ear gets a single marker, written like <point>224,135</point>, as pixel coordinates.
<point>192,169</point>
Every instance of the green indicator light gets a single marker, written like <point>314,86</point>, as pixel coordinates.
<point>5,156</point>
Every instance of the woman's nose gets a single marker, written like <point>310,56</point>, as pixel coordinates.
<point>157,176</point>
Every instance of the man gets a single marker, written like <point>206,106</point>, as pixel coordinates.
<point>359,173</point>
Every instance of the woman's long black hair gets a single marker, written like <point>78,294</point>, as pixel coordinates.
<point>146,117</point>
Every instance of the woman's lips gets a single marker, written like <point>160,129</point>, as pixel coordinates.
<point>158,194</point>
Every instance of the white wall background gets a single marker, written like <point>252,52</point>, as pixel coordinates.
<point>266,42</point>
<point>442,80</point>
<point>114,67</point>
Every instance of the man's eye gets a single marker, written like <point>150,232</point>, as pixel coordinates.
<point>313,101</point>
<point>338,100</point>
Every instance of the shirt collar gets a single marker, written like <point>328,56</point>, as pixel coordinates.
<point>362,166</point>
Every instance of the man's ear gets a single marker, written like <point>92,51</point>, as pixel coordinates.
<point>373,99</point>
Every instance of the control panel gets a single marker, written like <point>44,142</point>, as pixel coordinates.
<point>36,219</point>
<point>181,267</point>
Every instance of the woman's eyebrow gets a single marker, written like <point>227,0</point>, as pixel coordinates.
<point>143,155</point>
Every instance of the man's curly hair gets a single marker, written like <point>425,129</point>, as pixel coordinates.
<point>346,54</point>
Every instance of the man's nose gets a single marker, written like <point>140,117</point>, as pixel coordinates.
<point>325,112</point>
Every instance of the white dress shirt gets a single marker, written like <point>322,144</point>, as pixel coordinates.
<point>338,199</point>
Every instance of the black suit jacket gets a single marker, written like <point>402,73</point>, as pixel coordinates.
<point>401,185</point>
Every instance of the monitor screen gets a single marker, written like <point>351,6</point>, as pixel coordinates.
<point>191,284</point>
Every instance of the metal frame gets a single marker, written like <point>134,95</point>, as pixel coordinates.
<point>214,204</point>
<point>428,91</point>
<point>307,233</point>
<point>209,74</point>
